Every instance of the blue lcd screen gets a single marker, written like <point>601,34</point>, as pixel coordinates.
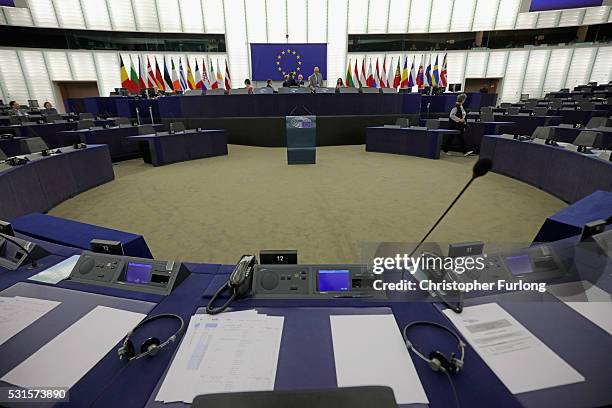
<point>519,264</point>
<point>333,280</point>
<point>138,273</point>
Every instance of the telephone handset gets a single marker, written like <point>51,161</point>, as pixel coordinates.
<point>239,283</point>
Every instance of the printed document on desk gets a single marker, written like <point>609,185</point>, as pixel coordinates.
<point>520,360</point>
<point>230,352</point>
<point>17,313</point>
<point>69,356</point>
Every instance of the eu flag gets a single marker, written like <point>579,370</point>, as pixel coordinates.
<point>273,61</point>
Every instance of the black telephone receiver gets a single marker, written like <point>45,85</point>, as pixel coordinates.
<point>239,283</point>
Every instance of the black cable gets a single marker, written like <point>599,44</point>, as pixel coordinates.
<point>34,264</point>
<point>209,307</point>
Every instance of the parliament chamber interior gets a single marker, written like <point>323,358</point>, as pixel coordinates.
<point>305,203</point>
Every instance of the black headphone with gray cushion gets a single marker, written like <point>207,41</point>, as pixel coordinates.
<point>150,346</point>
<point>437,361</point>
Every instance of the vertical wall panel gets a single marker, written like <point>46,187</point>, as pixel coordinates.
<point>297,26</point>
<point>580,67</point>
<point>476,64</point>
<point>214,22</point>
<point>108,69</point>
<point>463,12</point>
<point>317,21</point>
<point>357,15</point>
<point>35,72</point>
<point>485,16</point>
<point>13,82</point>
<point>191,15</point>
<point>82,64</point>
<point>596,15</point>
<point>526,20</point>
<point>548,19</point>
<point>456,66</point>
<point>557,69</point>
<point>534,74</point>
<point>256,21</point>
<point>378,14</point>
<point>43,13</point>
<point>496,67</point>
<point>571,17</point>
<point>121,14</point>
<point>399,12</point>
<point>440,15</point>
<point>276,11</point>
<point>169,16</point>
<point>96,15</point>
<point>69,13</point>
<point>18,16</point>
<point>235,22</point>
<point>602,68</point>
<point>507,14</point>
<point>146,15</point>
<point>337,40</point>
<point>419,17</point>
<point>513,78</point>
<point>59,67</point>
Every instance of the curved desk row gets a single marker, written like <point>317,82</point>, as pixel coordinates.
<point>49,132</point>
<point>568,135</point>
<point>304,363</point>
<point>563,173</point>
<point>45,182</point>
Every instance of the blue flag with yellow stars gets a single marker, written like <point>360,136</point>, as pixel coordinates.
<point>274,61</point>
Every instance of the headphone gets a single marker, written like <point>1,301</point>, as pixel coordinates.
<point>437,361</point>
<point>152,345</point>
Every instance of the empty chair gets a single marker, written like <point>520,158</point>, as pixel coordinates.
<point>32,145</point>
<point>587,138</point>
<point>402,122</point>
<point>598,122</point>
<point>505,105</point>
<point>530,104</point>
<point>566,125</point>
<point>586,105</point>
<point>487,117</point>
<point>486,109</point>
<point>540,111</point>
<point>53,118</point>
<point>122,122</point>
<point>513,110</point>
<point>85,116</point>
<point>15,120</point>
<point>524,97</point>
<point>85,124</point>
<point>146,130</point>
<point>544,133</point>
<point>433,124</point>
<point>33,104</point>
<point>556,103</point>
<point>177,127</point>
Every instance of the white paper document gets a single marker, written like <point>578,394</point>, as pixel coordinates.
<point>387,363</point>
<point>589,300</point>
<point>56,273</point>
<point>69,356</point>
<point>231,352</point>
<point>17,313</point>
<point>520,360</point>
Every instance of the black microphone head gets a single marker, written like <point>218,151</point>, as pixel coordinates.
<point>482,167</point>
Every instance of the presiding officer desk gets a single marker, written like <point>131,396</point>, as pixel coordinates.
<point>259,120</point>
<point>44,182</point>
<point>306,358</point>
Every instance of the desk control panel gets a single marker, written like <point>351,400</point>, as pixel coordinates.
<point>128,273</point>
<point>314,281</point>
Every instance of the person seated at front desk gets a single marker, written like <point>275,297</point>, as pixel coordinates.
<point>316,79</point>
<point>48,109</point>
<point>458,122</point>
<point>248,86</point>
<point>289,81</point>
<point>16,110</point>
<point>339,84</point>
<point>300,80</point>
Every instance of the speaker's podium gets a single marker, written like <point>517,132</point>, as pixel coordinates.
<point>301,139</point>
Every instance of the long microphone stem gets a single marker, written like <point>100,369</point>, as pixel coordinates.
<point>442,216</point>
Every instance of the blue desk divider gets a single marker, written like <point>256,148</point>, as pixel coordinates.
<point>301,139</point>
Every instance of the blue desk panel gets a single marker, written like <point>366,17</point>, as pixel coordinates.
<point>407,141</point>
<point>525,125</point>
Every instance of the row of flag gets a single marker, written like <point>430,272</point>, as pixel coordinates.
<point>383,76</point>
<point>171,79</point>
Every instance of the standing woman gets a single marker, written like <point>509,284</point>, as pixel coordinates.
<point>458,122</point>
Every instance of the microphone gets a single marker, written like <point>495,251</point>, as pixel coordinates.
<point>29,255</point>
<point>482,167</point>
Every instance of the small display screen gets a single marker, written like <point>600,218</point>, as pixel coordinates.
<point>333,280</point>
<point>519,265</point>
<point>138,273</point>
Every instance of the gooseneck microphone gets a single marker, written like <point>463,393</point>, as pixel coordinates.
<point>481,168</point>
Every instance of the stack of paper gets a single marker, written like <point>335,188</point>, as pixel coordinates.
<point>230,352</point>
<point>17,313</point>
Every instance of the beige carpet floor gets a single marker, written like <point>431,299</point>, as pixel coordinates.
<point>215,210</point>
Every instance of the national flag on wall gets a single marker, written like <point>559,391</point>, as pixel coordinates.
<point>420,74</point>
<point>390,74</point>
<point>397,79</point>
<point>141,75</point>
<point>404,81</point>
<point>428,73</point>
<point>213,79</point>
<point>411,79</point>
<point>125,80</point>
<point>364,77</point>
<point>356,79</point>
<point>443,80</point>
<point>191,82</point>
<point>198,76</point>
<point>228,79</point>
<point>133,77</point>
<point>205,79</point>
<point>383,75</point>
<point>182,79</point>
<point>176,83</point>
<point>150,75</point>
<point>436,73</point>
<point>168,85</point>
<point>349,77</point>
<point>159,78</point>
<point>369,78</point>
<point>377,80</point>
<point>219,76</point>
